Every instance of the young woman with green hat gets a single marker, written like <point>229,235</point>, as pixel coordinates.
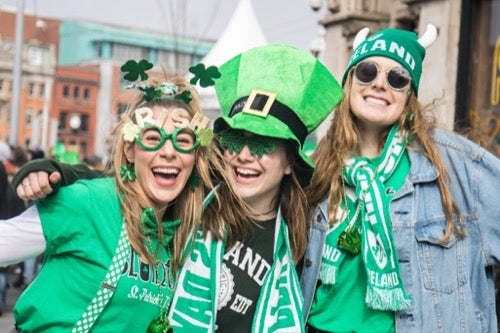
<point>112,246</point>
<point>403,234</point>
<point>271,99</point>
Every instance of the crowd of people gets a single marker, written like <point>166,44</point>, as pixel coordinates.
<point>390,225</point>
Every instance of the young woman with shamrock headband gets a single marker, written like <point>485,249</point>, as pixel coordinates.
<point>112,246</point>
<point>271,98</point>
<point>403,232</point>
<point>239,274</point>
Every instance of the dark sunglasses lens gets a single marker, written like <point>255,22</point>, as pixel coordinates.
<point>366,72</point>
<point>398,78</point>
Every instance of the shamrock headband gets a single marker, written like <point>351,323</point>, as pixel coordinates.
<point>399,45</point>
<point>165,90</point>
<point>135,70</point>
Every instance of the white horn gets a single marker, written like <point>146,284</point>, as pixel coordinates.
<point>429,36</point>
<point>360,37</point>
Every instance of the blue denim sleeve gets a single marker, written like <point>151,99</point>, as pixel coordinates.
<point>488,206</point>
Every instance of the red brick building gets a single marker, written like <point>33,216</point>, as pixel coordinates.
<point>74,101</point>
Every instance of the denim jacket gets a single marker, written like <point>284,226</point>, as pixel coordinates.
<point>451,284</point>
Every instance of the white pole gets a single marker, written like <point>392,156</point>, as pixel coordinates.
<point>16,75</point>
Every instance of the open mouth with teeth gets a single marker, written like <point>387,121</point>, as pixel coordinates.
<point>166,173</point>
<point>246,173</point>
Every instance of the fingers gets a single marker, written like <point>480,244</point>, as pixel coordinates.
<point>54,177</point>
<point>35,186</point>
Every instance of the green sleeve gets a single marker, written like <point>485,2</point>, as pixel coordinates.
<point>69,173</point>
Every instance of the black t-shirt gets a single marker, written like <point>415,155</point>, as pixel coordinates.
<point>244,268</point>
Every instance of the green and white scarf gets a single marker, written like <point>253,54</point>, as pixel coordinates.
<point>280,305</point>
<point>385,290</point>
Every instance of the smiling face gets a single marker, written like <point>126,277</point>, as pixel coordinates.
<point>161,173</point>
<point>257,179</point>
<point>375,104</point>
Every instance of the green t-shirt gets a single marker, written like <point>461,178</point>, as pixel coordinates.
<point>341,307</point>
<point>81,225</point>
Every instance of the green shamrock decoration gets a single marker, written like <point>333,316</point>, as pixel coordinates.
<point>193,181</point>
<point>136,69</point>
<point>206,135</point>
<point>151,94</point>
<point>184,96</point>
<point>205,76</point>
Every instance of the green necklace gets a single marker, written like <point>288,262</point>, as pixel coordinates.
<point>161,324</point>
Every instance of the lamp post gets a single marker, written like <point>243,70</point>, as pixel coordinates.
<point>16,75</point>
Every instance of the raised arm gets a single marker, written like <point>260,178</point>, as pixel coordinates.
<point>41,177</point>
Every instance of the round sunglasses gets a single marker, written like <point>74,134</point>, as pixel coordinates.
<point>397,77</point>
<point>184,140</point>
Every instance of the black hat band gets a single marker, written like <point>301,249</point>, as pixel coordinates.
<point>260,104</point>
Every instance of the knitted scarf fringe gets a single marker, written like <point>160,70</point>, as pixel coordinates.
<point>387,299</point>
<point>328,274</point>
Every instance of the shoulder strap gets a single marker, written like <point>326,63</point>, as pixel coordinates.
<point>107,288</point>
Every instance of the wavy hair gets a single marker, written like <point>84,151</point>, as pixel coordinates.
<point>236,218</point>
<point>342,141</point>
<point>187,206</point>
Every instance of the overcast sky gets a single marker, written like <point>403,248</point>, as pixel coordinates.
<point>282,21</point>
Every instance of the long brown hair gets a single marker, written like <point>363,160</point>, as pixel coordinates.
<point>187,206</point>
<point>342,141</point>
<point>235,218</point>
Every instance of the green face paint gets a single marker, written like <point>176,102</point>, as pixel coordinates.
<point>234,141</point>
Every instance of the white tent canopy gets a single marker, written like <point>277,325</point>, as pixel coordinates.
<point>242,33</point>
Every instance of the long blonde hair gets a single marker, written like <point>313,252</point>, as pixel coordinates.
<point>342,141</point>
<point>187,206</point>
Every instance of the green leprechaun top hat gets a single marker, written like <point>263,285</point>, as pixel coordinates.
<point>277,91</point>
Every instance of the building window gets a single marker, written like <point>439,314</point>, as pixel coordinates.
<point>66,91</point>
<point>31,89</point>
<point>123,52</point>
<point>29,117</point>
<point>184,61</point>
<point>76,93</point>
<point>167,59</point>
<point>99,50</point>
<point>84,126</point>
<point>1,84</point>
<point>41,93</point>
<point>63,119</point>
<point>86,94</point>
<point>35,55</point>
